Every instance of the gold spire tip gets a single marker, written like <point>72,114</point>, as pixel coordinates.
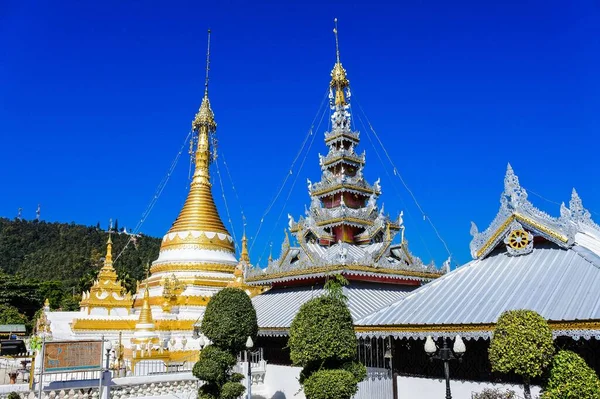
<point>337,45</point>
<point>207,64</point>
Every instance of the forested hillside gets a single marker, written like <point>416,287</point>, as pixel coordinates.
<point>58,261</point>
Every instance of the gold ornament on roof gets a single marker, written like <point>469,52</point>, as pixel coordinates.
<point>518,239</point>
<point>338,74</point>
<point>172,288</point>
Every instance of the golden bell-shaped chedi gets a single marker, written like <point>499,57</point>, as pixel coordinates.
<point>107,296</point>
<point>197,255</point>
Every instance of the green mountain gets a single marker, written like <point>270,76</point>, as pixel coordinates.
<point>58,261</point>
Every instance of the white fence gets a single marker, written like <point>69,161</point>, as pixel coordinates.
<point>427,388</point>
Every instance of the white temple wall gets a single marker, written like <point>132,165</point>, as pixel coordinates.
<point>281,382</point>
<point>427,388</point>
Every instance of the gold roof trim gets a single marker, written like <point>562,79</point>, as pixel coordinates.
<point>192,281</point>
<point>198,241</point>
<point>344,186</point>
<point>129,325</point>
<point>180,300</point>
<point>196,267</point>
<point>520,218</point>
<point>300,272</point>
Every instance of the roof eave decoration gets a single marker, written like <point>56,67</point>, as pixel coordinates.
<point>517,216</point>
<point>576,329</point>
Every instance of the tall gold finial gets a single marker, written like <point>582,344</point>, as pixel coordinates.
<point>337,44</point>
<point>207,65</point>
<point>205,116</point>
<point>338,75</point>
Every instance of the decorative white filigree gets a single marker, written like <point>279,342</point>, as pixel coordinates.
<point>514,203</point>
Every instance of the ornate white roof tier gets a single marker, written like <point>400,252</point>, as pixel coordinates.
<point>526,259</point>
<point>344,230</point>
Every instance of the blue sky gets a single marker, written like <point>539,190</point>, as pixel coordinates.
<point>96,99</point>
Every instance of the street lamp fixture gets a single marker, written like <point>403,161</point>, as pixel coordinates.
<point>445,354</point>
<point>249,345</point>
<point>201,342</point>
<point>108,348</point>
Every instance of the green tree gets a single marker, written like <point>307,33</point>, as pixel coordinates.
<point>229,320</point>
<point>522,343</point>
<point>10,315</point>
<point>322,341</point>
<point>571,378</point>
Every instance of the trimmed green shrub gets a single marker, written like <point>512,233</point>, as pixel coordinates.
<point>229,319</point>
<point>330,384</point>
<point>322,329</point>
<point>323,342</point>
<point>571,377</point>
<point>489,393</point>
<point>214,365</point>
<point>522,343</point>
<point>232,390</point>
<point>13,395</point>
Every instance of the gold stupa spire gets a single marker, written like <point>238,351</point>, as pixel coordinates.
<point>146,312</point>
<point>338,74</point>
<point>245,255</point>
<point>145,330</point>
<point>107,291</point>
<point>199,212</point>
<point>107,272</point>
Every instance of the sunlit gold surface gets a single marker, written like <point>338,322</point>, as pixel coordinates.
<point>195,267</point>
<point>189,241</point>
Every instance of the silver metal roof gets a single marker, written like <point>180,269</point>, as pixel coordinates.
<point>12,328</point>
<point>277,308</point>
<point>560,284</point>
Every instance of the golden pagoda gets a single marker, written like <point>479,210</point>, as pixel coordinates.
<point>197,255</point>
<point>107,294</point>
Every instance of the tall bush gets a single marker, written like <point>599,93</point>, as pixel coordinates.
<point>229,319</point>
<point>323,342</point>
<point>522,343</point>
<point>571,377</point>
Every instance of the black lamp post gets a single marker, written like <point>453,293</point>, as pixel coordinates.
<point>445,354</point>
<point>249,345</point>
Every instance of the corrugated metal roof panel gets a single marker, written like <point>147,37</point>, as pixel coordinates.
<point>560,284</point>
<point>277,308</point>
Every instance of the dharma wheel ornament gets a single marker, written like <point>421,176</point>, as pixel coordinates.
<point>518,241</point>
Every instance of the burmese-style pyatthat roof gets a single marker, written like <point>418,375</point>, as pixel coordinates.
<point>344,230</point>
<point>107,292</point>
<point>526,259</point>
